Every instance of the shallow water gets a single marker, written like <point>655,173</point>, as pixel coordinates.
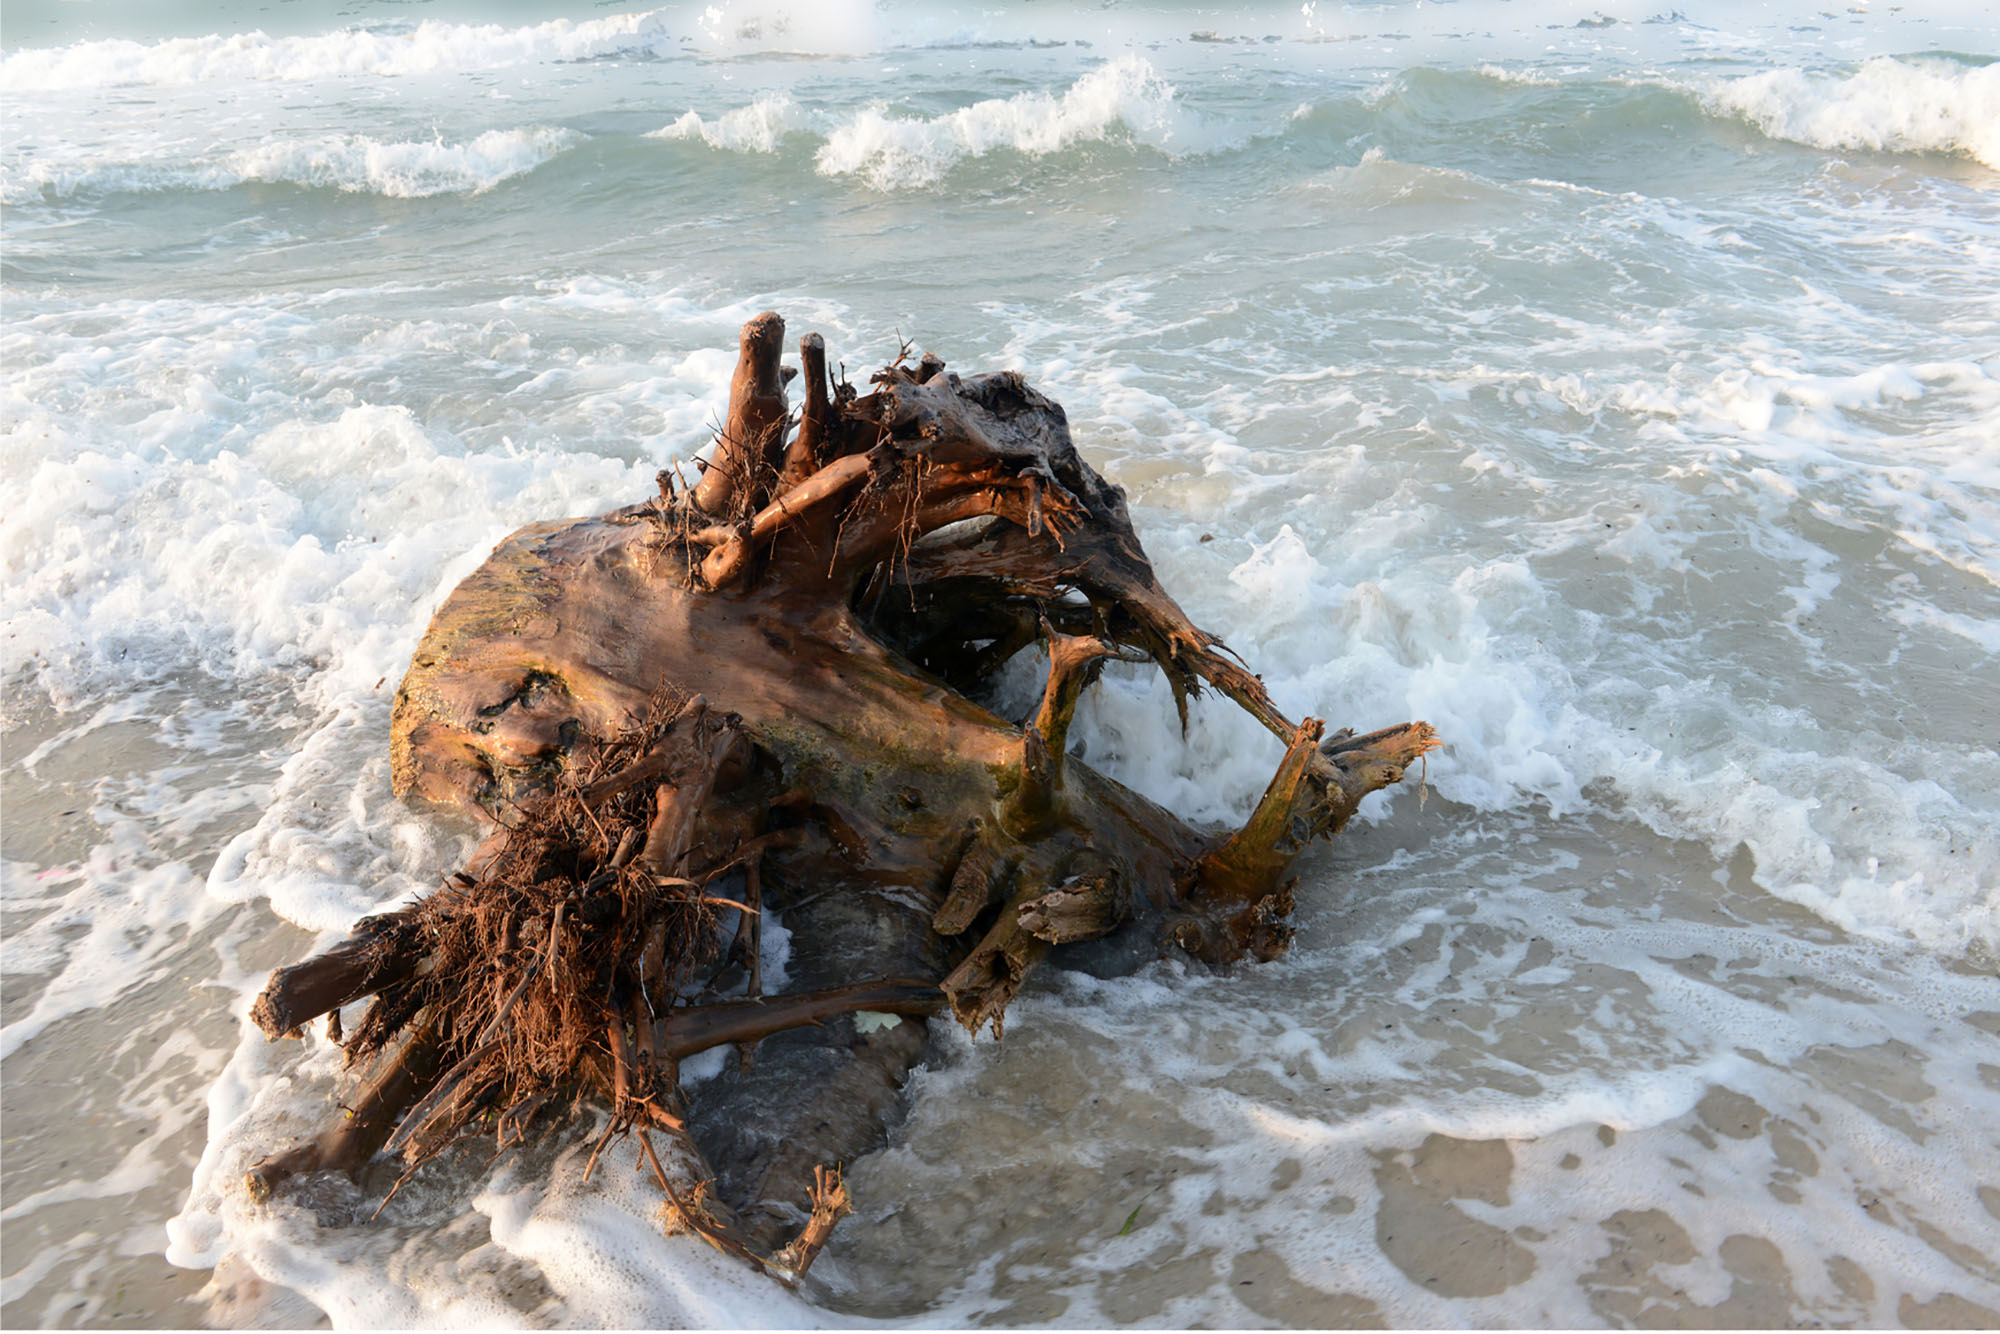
<point>1621,396</point>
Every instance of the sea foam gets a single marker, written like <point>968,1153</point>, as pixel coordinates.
<point>406,169</point>
<point>354,163</point>
<point>1888,104</point>
<point>1126,94</point>
<point>1124,98</point>
<point>756,128</point>
<point>429,47</point>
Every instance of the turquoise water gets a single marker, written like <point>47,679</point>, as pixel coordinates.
<point>1617,388</point>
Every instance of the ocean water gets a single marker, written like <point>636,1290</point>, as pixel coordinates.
<point>1615,387</point>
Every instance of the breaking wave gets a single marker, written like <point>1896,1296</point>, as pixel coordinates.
<point>1127,94</point>
<point>1888,104</point>
<point>756,128</point>
<point>354,163</point>
<point>429,47</point>
<point>1124,100</point>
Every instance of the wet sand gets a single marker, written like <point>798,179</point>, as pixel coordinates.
<point>1517,1071</point>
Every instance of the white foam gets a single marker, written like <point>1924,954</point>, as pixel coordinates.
<point>1519,75</point>
<point>532,1240</point>
<point>756,128</point>
<point>1541,704</point>
<point>353,163</point>
<point>406,170</point>
<point>273,493</point>
<point>429,47</point>
<point>1576,1073</point>
<point>134,909</point>
<point>1887,104</point>
<point>1124,96</point>
<point>317,518</point>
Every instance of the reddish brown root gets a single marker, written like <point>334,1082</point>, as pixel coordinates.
<point>382,951</point>
<point>759,695</point>
<point>365,1126</point>
<point>829,1205</point>
<point>752,440</point>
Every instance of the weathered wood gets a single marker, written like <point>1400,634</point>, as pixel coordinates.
<point>807,451</point>
<point>366,1125</point>
<point>752,441</point>
<point>381,950</point>
<point>776,678</point>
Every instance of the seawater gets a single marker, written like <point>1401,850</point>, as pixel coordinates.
<point>1615,387</point>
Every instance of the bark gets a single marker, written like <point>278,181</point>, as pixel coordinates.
<point>382,950</point>
<point>761,698</point>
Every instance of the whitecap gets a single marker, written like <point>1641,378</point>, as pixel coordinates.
<point>1888,104</point>
<point>756,128</point>
<point>354,163</point>
<point>405,169</point>
<point>1125,95</point>
<point>429,47</point>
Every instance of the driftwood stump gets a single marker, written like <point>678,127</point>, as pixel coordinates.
<point>757,696</point>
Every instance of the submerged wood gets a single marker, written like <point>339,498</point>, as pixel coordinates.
<point>758,696</point>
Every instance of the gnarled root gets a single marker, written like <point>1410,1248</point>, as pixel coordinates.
<point>761,698</point>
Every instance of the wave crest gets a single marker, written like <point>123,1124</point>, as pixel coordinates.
<point>1887,104</point>
<point>432,46</point>
<point>893,152</point>
<point>406,170</point>
<point>354,163</point>
<point>757,128</point>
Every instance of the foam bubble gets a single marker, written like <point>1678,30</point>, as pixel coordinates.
<point>1571,710</point>
<point>526,1240</point>
<point>136,913</point>
<point>316,517</point>
<point>1398,443</point>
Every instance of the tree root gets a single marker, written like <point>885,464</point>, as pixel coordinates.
<point>759,698</point>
